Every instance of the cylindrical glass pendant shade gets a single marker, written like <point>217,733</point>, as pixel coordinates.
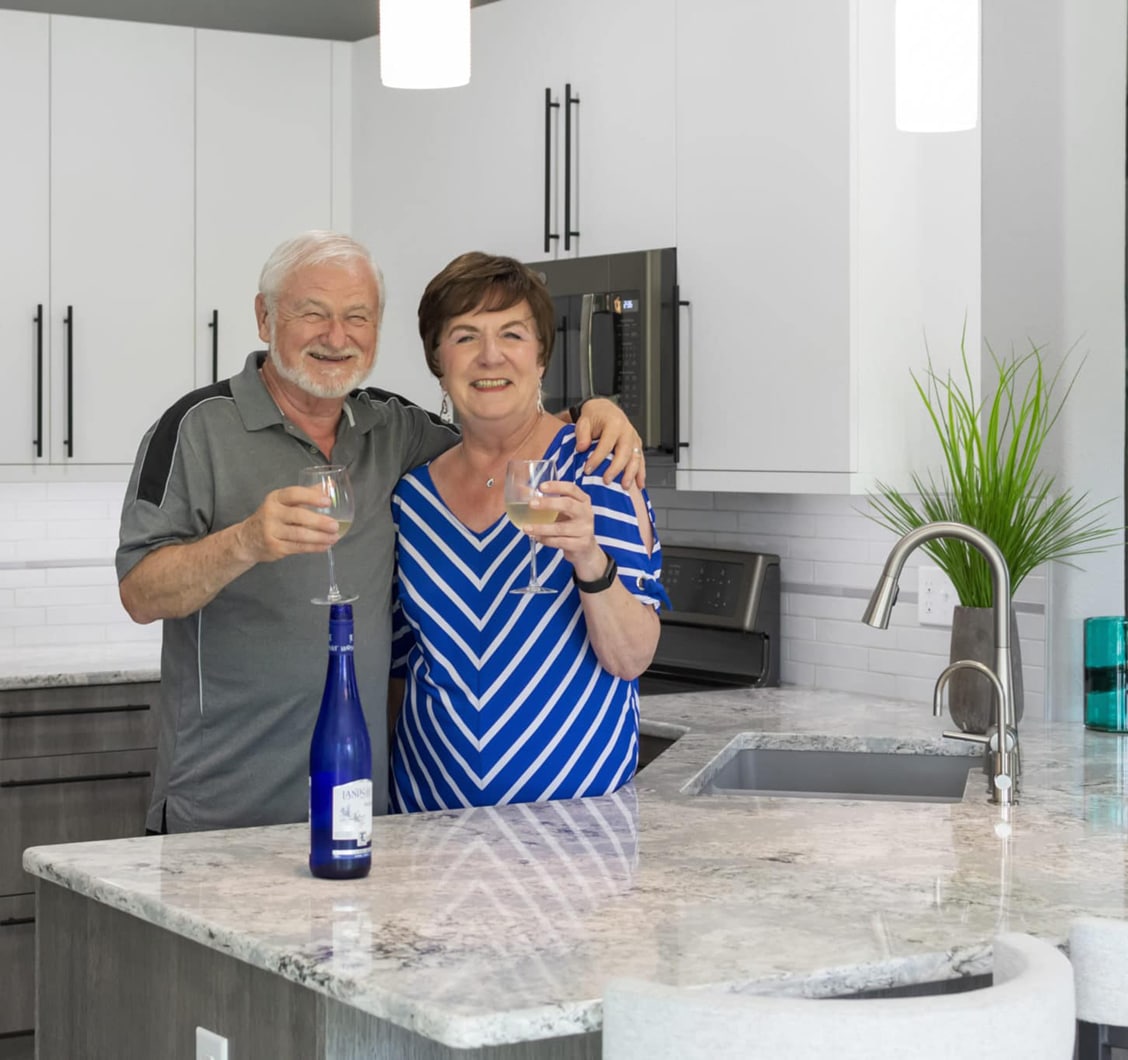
<point>424,43</point>
<point>936,60</point>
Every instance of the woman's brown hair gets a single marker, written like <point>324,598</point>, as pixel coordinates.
<point>483,281</point>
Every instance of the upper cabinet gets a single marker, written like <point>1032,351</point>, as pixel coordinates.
<point>505,161</point>
<point>159,165</point>
<point>121,232</point>
<point>824,255</point>
<point>264,172</point>
<point>25,276</point>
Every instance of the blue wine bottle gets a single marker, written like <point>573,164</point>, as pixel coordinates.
<point>340,765</point>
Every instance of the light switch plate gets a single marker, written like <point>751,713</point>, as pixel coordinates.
<point>936,597</point>
<point>210,1046</point>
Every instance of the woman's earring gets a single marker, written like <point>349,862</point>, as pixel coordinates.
<point>540,401</point>
<point>444,409</point>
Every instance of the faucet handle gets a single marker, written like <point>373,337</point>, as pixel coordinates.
<point>970,737</point>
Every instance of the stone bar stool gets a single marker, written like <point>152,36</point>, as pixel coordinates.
<point>1098,950</point>
<point>1026,1014</point>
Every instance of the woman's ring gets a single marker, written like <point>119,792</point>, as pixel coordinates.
<point>636,450</point>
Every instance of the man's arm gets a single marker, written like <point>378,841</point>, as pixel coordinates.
<point>176,580</point>
<point>604,422</point>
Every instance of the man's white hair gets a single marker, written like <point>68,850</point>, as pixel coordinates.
<point>316,247</point>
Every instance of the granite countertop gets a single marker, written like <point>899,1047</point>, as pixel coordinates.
<point>503,924</point>
<point>69,665</point>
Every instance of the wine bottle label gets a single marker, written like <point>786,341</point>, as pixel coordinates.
<point>352,812</point>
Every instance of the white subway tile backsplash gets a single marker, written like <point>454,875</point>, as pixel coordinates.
<point>105,529</point>
<point>864,682</point>
<point>834,631</point>
<point>905,663</point>
<point>131,632</point>
<point>66,596</point>
<point>794,628</point>
<point>31,637</point>
<point>852,575</point>
<point>51,511</point>
<point>790,528</point>
<point>848,656</point>
<point>852,527</point>
<point>86,614</point>
<point>23,577</point>
<point>23,530</point>
<point>22,616</point>
<point>797,673</point>
<point>59,540</point>
<point>105,574</point>
<point>688,519</point>
<point>79,550</point>
<point>831,554</point>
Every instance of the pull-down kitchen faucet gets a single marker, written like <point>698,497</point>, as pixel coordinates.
<point>1001,745</point>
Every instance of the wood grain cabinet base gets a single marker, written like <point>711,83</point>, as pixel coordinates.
<point>76,764</point>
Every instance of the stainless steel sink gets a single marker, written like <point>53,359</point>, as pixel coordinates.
<point>828,774</point>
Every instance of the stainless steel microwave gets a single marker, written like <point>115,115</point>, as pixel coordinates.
<point>616,336</point>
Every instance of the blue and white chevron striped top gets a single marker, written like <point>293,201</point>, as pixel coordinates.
<point>505,699</point>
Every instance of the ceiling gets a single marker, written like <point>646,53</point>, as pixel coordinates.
<point>328,19</point>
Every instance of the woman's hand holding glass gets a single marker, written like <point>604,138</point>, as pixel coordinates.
<point>336,487</point>
<point>571,527</point>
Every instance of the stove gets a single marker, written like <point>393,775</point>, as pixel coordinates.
<point>723,631</point>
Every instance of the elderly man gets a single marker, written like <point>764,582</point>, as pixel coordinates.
<point>219,542</point>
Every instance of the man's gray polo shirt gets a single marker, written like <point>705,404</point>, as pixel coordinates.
<point>241,679</point>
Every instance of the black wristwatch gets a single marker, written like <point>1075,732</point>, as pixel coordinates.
<point>576,410</point>
<point>604,581</point>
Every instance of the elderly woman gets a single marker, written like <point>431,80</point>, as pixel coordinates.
<point>511,697</point>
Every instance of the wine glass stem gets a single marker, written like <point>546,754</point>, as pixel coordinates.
<point>334,592</point>
<point>533,580</point>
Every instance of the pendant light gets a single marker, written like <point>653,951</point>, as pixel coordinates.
<point>424,43</point>
<point>936,64</point>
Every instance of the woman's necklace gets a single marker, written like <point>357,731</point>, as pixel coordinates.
<point>516,449</point>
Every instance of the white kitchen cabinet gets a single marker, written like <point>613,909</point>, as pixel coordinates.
<point>121,232</point>
<point>266,158</point>
<point>158,166</point>
<point>819,249</point>
<point>24,219</point>
<point>438,173</point>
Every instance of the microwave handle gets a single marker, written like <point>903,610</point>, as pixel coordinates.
<point>587,311</point>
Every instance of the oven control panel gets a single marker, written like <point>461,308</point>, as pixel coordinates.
<point>719,587</point>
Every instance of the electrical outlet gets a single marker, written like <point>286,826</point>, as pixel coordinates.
<point>936,597</point>
<point>210,1046</point>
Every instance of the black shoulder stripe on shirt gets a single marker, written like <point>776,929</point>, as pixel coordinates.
<point>162,446</point>
<point>375,394</point>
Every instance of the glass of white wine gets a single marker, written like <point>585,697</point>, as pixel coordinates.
<point>333,480</point>
<point>523,480</point>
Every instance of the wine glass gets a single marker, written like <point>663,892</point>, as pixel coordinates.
<point>333,481</point>
<point>523,479</point>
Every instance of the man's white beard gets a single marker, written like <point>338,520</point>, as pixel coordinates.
<point>305,380</point>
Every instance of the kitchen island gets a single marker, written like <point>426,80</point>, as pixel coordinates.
<point>494,930</point>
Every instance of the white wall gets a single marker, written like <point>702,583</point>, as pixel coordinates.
<point>1053,262</point>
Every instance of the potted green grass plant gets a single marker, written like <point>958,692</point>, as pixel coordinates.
<point>991,481</point>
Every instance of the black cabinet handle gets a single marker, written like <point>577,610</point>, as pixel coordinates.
<point>569,99</point>
<point>16,921</point>
<point>6,715</point>
<point>77,779</point>
<point>214,325</point>
<point>549,106</point>
<point>38,318</point>
<point>679,445</point>
<point>68,322</point>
